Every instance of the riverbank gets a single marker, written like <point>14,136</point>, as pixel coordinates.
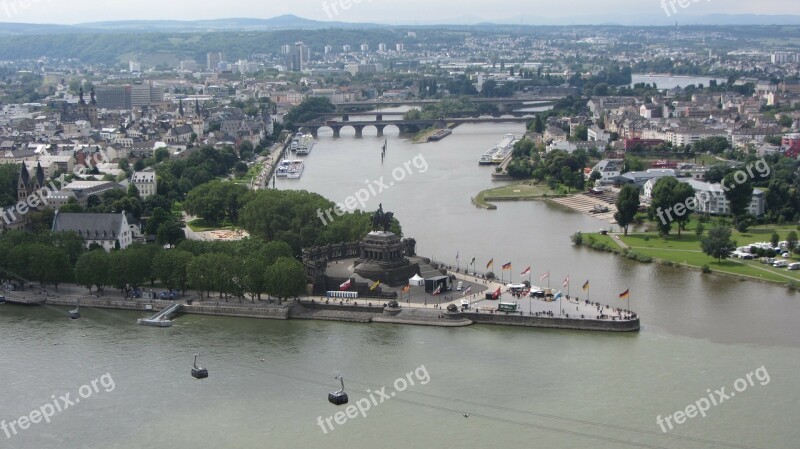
<point>522,191</point>
<point>365,312</point>
<point>685,252</point>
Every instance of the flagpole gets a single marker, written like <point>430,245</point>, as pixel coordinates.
<point>548,279</point>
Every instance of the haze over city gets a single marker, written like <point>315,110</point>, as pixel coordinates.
<point>386,11</point>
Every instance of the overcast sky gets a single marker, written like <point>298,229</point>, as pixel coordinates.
<point>379,11</point>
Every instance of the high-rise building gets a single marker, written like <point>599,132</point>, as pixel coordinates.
<point>346,48</point>
<point>298,60</point>
<point>381,47</point>
<point>328,49</point>
<point>400,47</point>
<point>134,66</point>
<point>114,97</point>
<point>286,49</point>
<point>213,60</point>
<point>364,48</point>
<point>140,94</point>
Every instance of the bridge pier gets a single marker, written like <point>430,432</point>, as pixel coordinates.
<point>346,117</point>
<point>379,117</point>
<point>314,132</point>
<point>380,129</point>
<point>337,131</point>
<point>359,130</point>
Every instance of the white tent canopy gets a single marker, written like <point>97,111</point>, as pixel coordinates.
<point>416,280</point>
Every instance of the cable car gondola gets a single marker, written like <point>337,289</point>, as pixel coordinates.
<point>338,397</point>
<point>197,371</point>
<point>75,313</point>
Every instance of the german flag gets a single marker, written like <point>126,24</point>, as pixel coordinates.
<point>490,264</point>
<point>406,288</point>
<point>375,285</point>
<point>507,266</point>
<point>625,295</point>
<point>585,286</point>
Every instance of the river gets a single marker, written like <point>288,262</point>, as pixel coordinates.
<point>520,387</point>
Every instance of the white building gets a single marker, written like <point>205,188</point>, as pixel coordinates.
<point>110,231</point>
<point>609,168</point>
<point>711,199</point>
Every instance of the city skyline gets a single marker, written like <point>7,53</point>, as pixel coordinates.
<point>393,12</point>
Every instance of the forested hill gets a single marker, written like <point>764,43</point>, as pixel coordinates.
<point>110,48</point>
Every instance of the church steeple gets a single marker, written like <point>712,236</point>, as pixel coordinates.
<point>180,107</point>
<point>81,101</point>
<point>94,100</point>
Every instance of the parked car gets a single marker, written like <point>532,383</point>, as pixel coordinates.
<point>794,266</point>
<point>460,285</point>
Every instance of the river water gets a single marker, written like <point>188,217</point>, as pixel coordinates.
<point>521,387</point>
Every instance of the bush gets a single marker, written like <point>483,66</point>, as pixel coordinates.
<point>643,258</point>
<point>577,238</point>
<point>706,269</point>
<point>647,238</point>
<point>667,263</point>
<point>793,285</point>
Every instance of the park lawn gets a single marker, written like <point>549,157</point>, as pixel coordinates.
<point>686,250</point>
<point>600,238</point>
<point>516,192</point>
<point>200,225</point>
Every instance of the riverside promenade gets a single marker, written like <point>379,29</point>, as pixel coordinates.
<point>539,314</point>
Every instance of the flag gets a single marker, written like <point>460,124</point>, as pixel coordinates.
<point>496,294</point>
<point>375,285</point>
<point>545,276</point>
<point>490,264</point>
<point>558,295</point>
<point>457,252</point>
<point>507,266</point>
<point>346,285</point>
<point>438,290</point>
<point>406,288</point>
<point>526,271</point>
<point>586,285</point>
<point>566,281</point>
<point>626,294</point>
<point>473,261</point>
<point>467,290</point>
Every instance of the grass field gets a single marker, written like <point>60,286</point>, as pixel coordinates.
<point>200,225</point>
<point>685,250</point>
<point>515,192</point>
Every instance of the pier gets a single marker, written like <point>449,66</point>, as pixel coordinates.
<point>161,319</point>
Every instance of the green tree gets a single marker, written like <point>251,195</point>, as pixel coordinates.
<point>171,267</point>
<point>791,241</point>
<point>91,270</point>
<point>718,243</point>
<point>682,198</point>
<point>662,204</point>
<point>698,231</point>
<point>286,278</point>
<point>627,206</point>
<point>738,195</point>
<point>774,239</point>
